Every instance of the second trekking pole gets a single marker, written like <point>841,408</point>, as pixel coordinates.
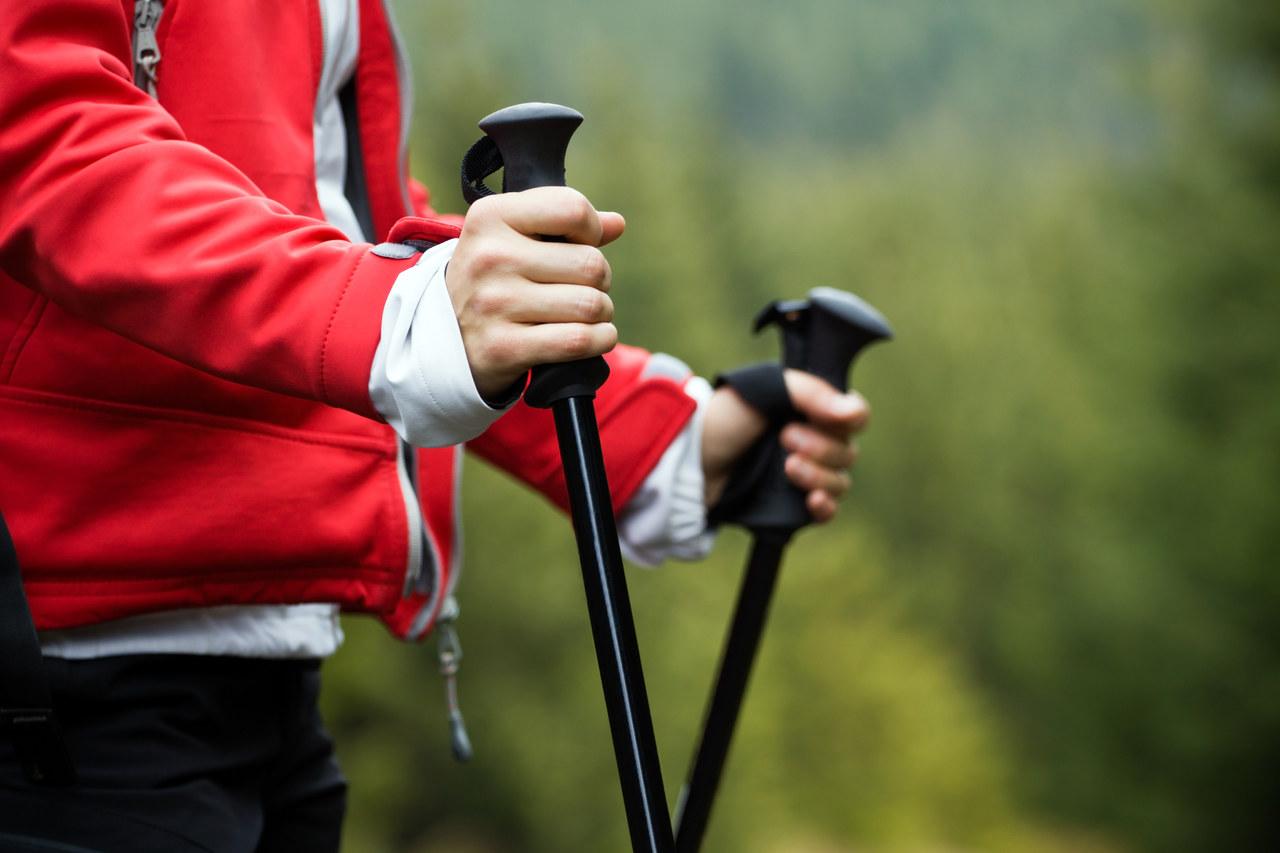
<point>529,141</point>
<point>821,335</point>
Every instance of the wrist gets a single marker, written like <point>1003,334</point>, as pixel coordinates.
<point>421,379</point>
<point>730,427</point>
<point>506,395</point>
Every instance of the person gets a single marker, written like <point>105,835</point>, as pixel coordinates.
<point>239,357</point>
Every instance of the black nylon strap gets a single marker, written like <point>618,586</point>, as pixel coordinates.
<point>763,388</point>
<point>482,160</point>
<point>26,708</point>
<point>752,472</point>
<point>758,495</point>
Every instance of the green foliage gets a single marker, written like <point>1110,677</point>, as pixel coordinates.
<point>1043,621</point>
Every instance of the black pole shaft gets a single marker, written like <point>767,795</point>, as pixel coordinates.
<point>752,609</point>
<point>612,627</point>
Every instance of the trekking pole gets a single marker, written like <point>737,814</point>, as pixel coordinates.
<point>529,142</point>
<point>821,335</point>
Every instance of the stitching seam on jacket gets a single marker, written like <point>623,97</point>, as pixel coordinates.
<point>328,332</point>
<point>18,342</point>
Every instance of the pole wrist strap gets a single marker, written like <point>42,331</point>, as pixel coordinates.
<point>758,496</point>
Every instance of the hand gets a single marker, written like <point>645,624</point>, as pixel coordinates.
<point>819,452</point>
<point>520,301</point>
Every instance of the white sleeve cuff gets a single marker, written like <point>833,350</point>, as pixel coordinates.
<point>421,381</point>
<point>667,516</point>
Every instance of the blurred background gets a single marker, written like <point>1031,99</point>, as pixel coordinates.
<point>1041,622</point>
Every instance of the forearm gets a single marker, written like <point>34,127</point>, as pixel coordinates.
<point>107,209</point>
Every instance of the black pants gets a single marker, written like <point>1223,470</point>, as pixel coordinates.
<point>183,753</point>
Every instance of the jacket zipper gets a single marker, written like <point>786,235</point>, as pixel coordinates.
<point>440,603</point>
<point>146,47</point>
<point>423,558</point>
<point>439,600</point>
<point>448,618</point>
<point>418,550</point>
<point>449,649</point>
<point>423,572</point>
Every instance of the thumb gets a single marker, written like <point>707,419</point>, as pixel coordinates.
<point>612,225</point>
<point>824,406</point>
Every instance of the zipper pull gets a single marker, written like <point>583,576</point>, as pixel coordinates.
<point>449,651</point>
<point>146,49</point>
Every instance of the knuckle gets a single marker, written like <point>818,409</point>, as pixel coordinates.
<point>490,301</point>
<point>484,210</point>
<point>826,510</point>
<point>579,209</point>
<point>485,257</point>
<point>586,340</point>
<point>595,267</point>
<point>576,342</point>
<point>593,306</point>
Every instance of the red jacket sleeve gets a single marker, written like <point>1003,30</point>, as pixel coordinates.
<point>639,416</point>
<point>111,212</point>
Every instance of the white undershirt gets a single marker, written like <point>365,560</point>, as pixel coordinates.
<point>666,517</point>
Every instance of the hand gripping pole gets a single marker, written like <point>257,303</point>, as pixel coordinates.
<point>821,335</point>
<point>531,141</point>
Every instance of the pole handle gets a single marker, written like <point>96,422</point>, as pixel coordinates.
<point>532,140</point>
<point>823,335</point>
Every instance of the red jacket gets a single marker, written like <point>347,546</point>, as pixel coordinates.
<point>185,346</point>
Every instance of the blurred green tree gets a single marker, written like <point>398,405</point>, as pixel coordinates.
<point>1044,623</point>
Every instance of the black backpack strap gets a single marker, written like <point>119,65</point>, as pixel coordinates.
<point>26,707</point>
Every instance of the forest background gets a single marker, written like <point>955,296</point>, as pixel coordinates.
<point>1041,621</point>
